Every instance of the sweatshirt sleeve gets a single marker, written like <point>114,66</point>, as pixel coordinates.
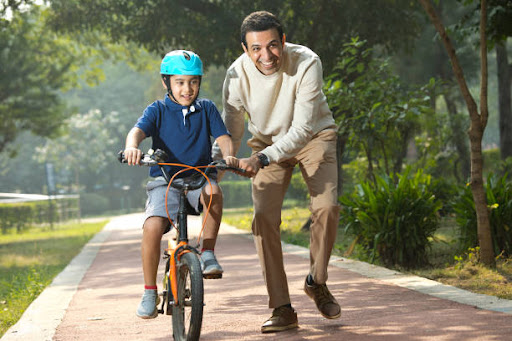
<point>308,98</point>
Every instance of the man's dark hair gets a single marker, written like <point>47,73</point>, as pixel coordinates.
<point>258,22</point>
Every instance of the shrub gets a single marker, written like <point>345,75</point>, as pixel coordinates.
<point>20,215</point>
<point>393,221</point>
<point>499,201</point>
<point>445,191</point>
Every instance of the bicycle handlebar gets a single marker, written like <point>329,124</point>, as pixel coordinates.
<point>193,182</point>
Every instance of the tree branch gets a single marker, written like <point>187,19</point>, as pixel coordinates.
<point>457,69</point>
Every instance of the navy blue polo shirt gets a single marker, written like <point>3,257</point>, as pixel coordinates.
<point>185,139</point>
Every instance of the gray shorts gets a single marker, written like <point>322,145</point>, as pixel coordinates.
<point>155,204</point>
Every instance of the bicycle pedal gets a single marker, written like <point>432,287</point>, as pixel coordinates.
<point>212,276</point>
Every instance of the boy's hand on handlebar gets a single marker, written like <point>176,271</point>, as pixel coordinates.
<point>132,156</point>
<point>234,162</point>
<point>231,161</point>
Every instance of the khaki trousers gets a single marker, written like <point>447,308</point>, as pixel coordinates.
<point>317,162</point>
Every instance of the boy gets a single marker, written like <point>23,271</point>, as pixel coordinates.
<point>181,125</point>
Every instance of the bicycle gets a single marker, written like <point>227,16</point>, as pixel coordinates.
<point>183,290</point>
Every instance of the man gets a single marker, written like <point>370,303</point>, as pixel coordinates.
<point>279,86</point>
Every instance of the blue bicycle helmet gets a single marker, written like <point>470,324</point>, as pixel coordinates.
<point>181,62</point>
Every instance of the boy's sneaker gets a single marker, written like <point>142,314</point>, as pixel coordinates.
<point>209,265</point>
<point>325,302</point>
<point>147,308</point>
<point>283,318</point>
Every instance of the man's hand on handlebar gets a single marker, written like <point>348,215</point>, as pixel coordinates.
<point>250,164</point>
<point>234,162</point>
<point>132,156</point>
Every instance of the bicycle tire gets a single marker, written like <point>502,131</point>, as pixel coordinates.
<point>187,316</point>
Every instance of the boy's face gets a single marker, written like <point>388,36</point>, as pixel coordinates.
<point>185,89</point>
<point>265,49</point>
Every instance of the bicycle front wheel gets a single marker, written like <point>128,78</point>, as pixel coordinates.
<point>187,315</point>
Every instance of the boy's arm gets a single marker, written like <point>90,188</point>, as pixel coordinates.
<point>226,145</point>
<point>132,153</point>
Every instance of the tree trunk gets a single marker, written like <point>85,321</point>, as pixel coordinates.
<point>476,130</point>
<point>504,102</point>
<point>463,172</point>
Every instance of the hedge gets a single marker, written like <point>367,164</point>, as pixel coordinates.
<point>21,215</point>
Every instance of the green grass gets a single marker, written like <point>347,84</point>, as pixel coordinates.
<point>29,262</point>
<point>449,265</point>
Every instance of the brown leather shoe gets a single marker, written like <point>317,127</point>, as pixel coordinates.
<point>325,302</point>
<point>283,318</point>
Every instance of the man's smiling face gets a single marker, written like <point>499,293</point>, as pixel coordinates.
<point>265,48</point>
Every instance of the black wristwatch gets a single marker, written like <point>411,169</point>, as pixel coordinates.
<point>263,159</point>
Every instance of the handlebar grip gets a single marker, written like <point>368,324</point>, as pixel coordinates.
<point>238,170</point>
<point>120,157</point>
<point>221,165</point>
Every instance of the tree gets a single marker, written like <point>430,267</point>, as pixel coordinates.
<point>478,123</point>
<point>87,146</point>
<point>426,61</point>
<point>498,29</point>
<point>375,113</point>
<point>211,28</point>
<point>37,65</point>
<point>34,66</point>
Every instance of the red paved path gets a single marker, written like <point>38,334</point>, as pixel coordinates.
<point>103,306</point>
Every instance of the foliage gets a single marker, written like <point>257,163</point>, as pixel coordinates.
<point>35,65</point>
<point>445,191</point>
<point>21,216</point>
<point>13,6</point>
<point>292,220</point>
<point>238,193</point>
<point>30,261</point>
<point>491,160</point>
<point>211,28</point>
<point>499,25</point>
<point>372,107</point>
<point>393,218</point>
<point>88,144</point>
<point>499,199</point>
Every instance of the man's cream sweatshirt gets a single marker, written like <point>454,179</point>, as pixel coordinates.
<point>285,109</point>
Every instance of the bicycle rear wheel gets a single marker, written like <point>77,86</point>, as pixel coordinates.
<point>187,316</point>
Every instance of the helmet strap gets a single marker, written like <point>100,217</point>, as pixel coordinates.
<point>167,81</point>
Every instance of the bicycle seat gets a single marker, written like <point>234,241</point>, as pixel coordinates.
<point>191,183</point>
